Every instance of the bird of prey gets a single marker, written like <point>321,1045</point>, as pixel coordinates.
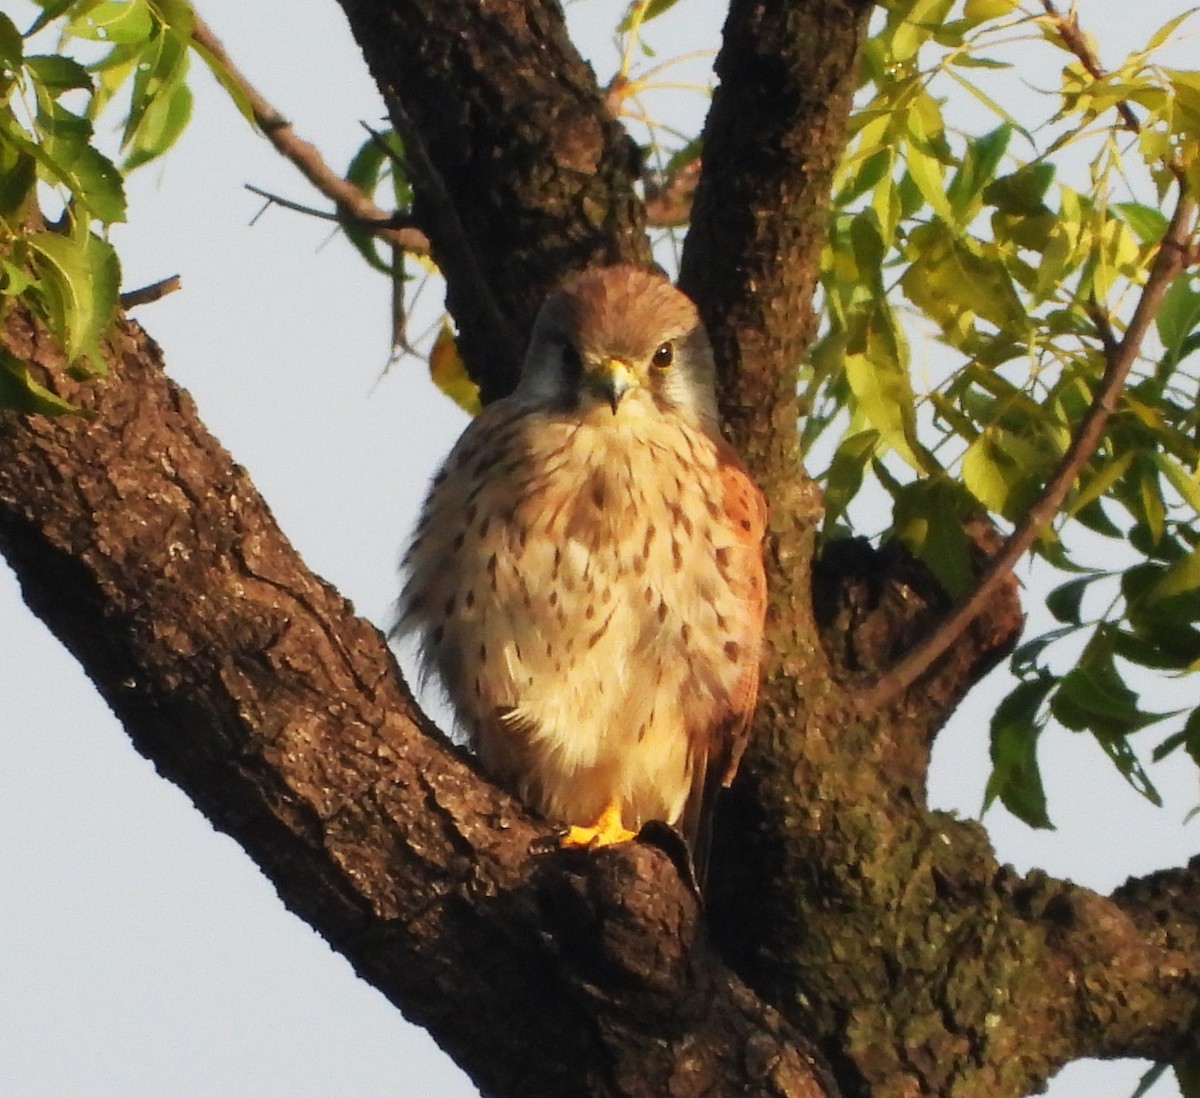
<point>586,578</point>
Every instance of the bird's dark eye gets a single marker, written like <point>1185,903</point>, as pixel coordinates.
<point>664,356</point>
<point>572,363</point>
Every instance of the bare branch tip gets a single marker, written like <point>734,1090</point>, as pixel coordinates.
<point>145,295</point>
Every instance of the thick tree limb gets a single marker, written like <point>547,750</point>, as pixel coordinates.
<point>1152,996</point>
<point>528,174</point>
<point>760,210</point>
<point>251,684</point>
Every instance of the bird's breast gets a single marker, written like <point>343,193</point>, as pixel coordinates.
<point>580,579</point>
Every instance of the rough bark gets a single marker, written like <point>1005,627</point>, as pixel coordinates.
<point>846,912</point>
<point>251,684</point>
<point>520,173</point>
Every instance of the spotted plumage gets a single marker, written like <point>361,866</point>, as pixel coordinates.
<point>586,578</point>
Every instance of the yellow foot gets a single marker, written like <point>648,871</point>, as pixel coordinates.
<point>607,830</point>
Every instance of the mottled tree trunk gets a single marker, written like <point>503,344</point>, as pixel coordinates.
<point>853,938</point>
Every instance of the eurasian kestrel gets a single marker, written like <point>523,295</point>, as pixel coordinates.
<point>587,574</point>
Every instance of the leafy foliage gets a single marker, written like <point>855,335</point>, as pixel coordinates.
<point>1028,282</point>
<point>59,190</point>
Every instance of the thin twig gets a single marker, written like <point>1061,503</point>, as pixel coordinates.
<point>1104,328</point>
<point>1174,252</point>
<point>1076,41</point>
<point>304,155</point>
<point>144,295</point>
<point>389,221</point>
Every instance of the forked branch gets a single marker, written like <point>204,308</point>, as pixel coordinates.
<point>1073,37</point>
<point>346,196</point>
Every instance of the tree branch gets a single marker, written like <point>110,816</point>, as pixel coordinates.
<point>145,295</point>
<point>760,209</point>
<point>251,684</point>
<point>1173,254</point>
<point>539,175</point>
<point>307,157</point>
<point>1135,963</point>
<point>1067,28</point>
<point>669,197</point>
<point>1158,999</point>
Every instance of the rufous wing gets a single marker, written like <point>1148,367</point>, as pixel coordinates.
<point>717,750</point>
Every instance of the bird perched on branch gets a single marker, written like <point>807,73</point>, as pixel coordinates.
<point>586,577</point>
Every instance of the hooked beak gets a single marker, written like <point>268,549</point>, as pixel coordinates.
<point>612,379</point>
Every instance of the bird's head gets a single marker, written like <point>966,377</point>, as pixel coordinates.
<point>612,337</point>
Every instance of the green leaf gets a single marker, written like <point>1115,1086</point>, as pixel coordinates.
<point>366,171</point>
<point>1167,29</point>
<point>1187,1070</point>
<point>1183,482</point>
<point>1172,743</point>
<point>977,11</point>
<point>51,10</point>
<point>928,519</point>
<point>66,156</point>
<point>951,282</point>
<point>868,244</point>
<point>971,61</point>
<point>366,166</point>
<point>1153,513</point>
<point>650,11</point>
<point>115,21</point>
<point>1022,192</point>
<point>163,121</point>
<point>1065,601</point>
<point>1148,1079</point>
<point>1093,485</point>
<point>927,173</point>
<point>1149,223</point>
<point>1094,517</point>
<point>878,379</point>
<point>14,280</point>
<point>20,393</point>
<point>978,168</point>
<point>1015,728</point>
<point>845,474</point>
<point>989,477</point>
<point>1005,471</point>
<point>233,87</point>
<point>12,49</point>
<point>1188,738</point>
<point>1093,697</point>
<point>1180,577</point>
<point>870,170</point>
<point>1191,732</point>
<point>1178,316</point>
<point>18,171</point>
<point>78,283</point>
<point>1024,661</point>
<point>93,179</point>
<point>162,67</point>
<point>1160,642</point>
<point>57,74</point>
